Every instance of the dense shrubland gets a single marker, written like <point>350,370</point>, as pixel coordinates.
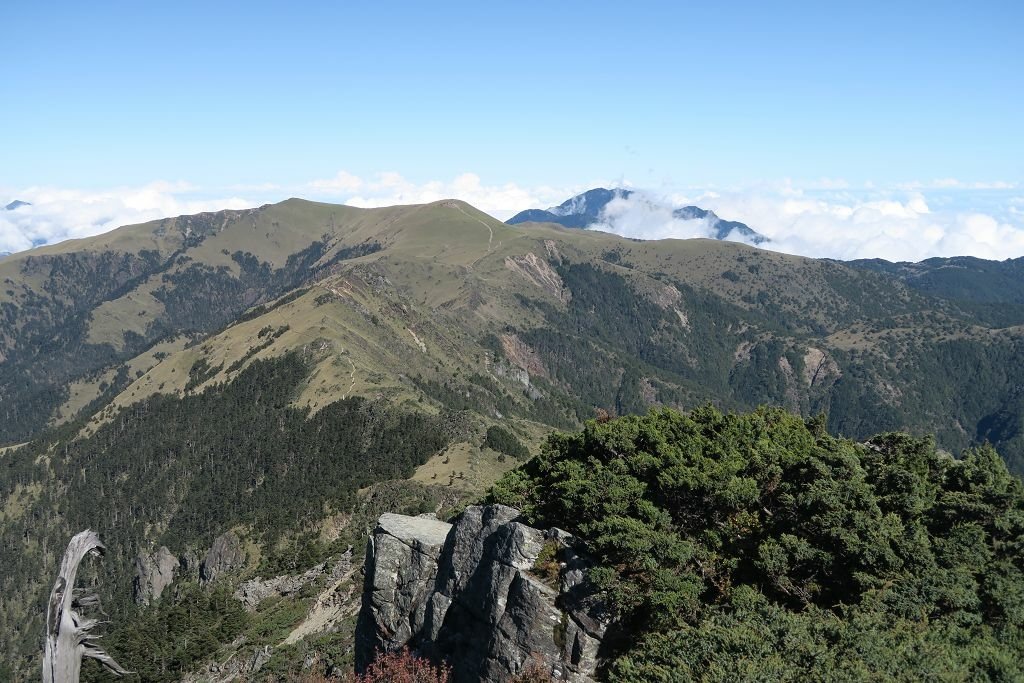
<point>759,547</point>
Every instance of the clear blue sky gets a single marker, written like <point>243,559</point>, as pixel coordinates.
<point>96,94</point>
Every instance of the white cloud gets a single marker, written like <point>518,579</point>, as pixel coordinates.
<point>58,214</point>
<point>648,217</point>
<point>821,218</point>
<point>342,183</point>
<point>390,188</point>
<point>831,219</point>
<point>897,228</point>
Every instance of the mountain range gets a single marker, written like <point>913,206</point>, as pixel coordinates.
<point>287,372</point>
<point>589,209</point>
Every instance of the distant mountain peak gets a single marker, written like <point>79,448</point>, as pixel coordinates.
<point>591,201</point>
<point>585,210</point>
<point>16,204</point>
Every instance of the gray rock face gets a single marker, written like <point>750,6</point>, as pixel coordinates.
<point>153,573</point>
<point>225,555</point>
<point>191,561</point>
<point>468,593</point>
<point>402,565</point>
<point>251,593</point>
<point>241,666</point>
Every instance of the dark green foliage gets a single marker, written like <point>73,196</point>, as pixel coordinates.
<point>991,290</point>
<point>761,378</point>
<point>164,640</point>
<point>183,470</point>
<point>52,329</point>
<point>481,394</point>
<point>500,439</point>
<point>355,251</point>
<point>203,298</point>
<point>610,337</point>
<point>201,371</point>
<point>758,547</point>
<point>965,391</point>
<point>612,346</point>
<point>269,335</point>
<point>263,309</point>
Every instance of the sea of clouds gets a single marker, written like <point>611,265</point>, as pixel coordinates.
<point>826,218</point>
<point>909,222</point>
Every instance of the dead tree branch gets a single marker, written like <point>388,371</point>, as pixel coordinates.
<point>68,637</point>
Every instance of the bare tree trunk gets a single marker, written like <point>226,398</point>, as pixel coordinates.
<point>67,632</point>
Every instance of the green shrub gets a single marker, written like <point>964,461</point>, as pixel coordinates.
<point>758,547</point>
<point>504,441</point>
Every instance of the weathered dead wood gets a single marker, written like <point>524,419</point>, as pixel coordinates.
<point>68,637</point>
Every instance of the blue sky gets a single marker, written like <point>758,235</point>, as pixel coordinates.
<point>251,101</point>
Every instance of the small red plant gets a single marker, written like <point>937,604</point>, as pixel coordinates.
<point>403,667</point>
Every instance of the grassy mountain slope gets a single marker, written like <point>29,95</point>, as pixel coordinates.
<point>405,297</point>
<point>130,346</point>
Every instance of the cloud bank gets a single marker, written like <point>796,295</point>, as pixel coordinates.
<point>911,222</point>
<point>825,218</point>
<point>387,189</point>
<point>649,217</point>
<point>897,225</point>
<point>58,214</point>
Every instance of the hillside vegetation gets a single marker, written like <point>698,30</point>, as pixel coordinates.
<point>444,301</point>
<point>757,547</point>
<point>179,472</point>
<point>278,370</point>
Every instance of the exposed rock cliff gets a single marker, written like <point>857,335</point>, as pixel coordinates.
<point>153,573</point>
<point>475,594</point>
<point>158,569</point>
<point>225,555</point>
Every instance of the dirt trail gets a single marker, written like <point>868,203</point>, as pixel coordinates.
<point>490,231</point>
<point>330,606</point>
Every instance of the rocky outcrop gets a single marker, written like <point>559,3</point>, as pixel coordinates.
<point>820,369</point>
<point>191,561</point>
<point>153,573</point>
<point>225,555</point>
<point>241,665</point>
<point>401,567</point>
<point>474,593</point>
<point>251,593</point>
<point>156,570</point>
<point>540,274</point>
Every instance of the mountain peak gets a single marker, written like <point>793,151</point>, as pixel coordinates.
<point>16,204</point>
<point>587,209</point>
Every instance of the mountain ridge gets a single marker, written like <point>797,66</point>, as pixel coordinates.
<point>440,323</point>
